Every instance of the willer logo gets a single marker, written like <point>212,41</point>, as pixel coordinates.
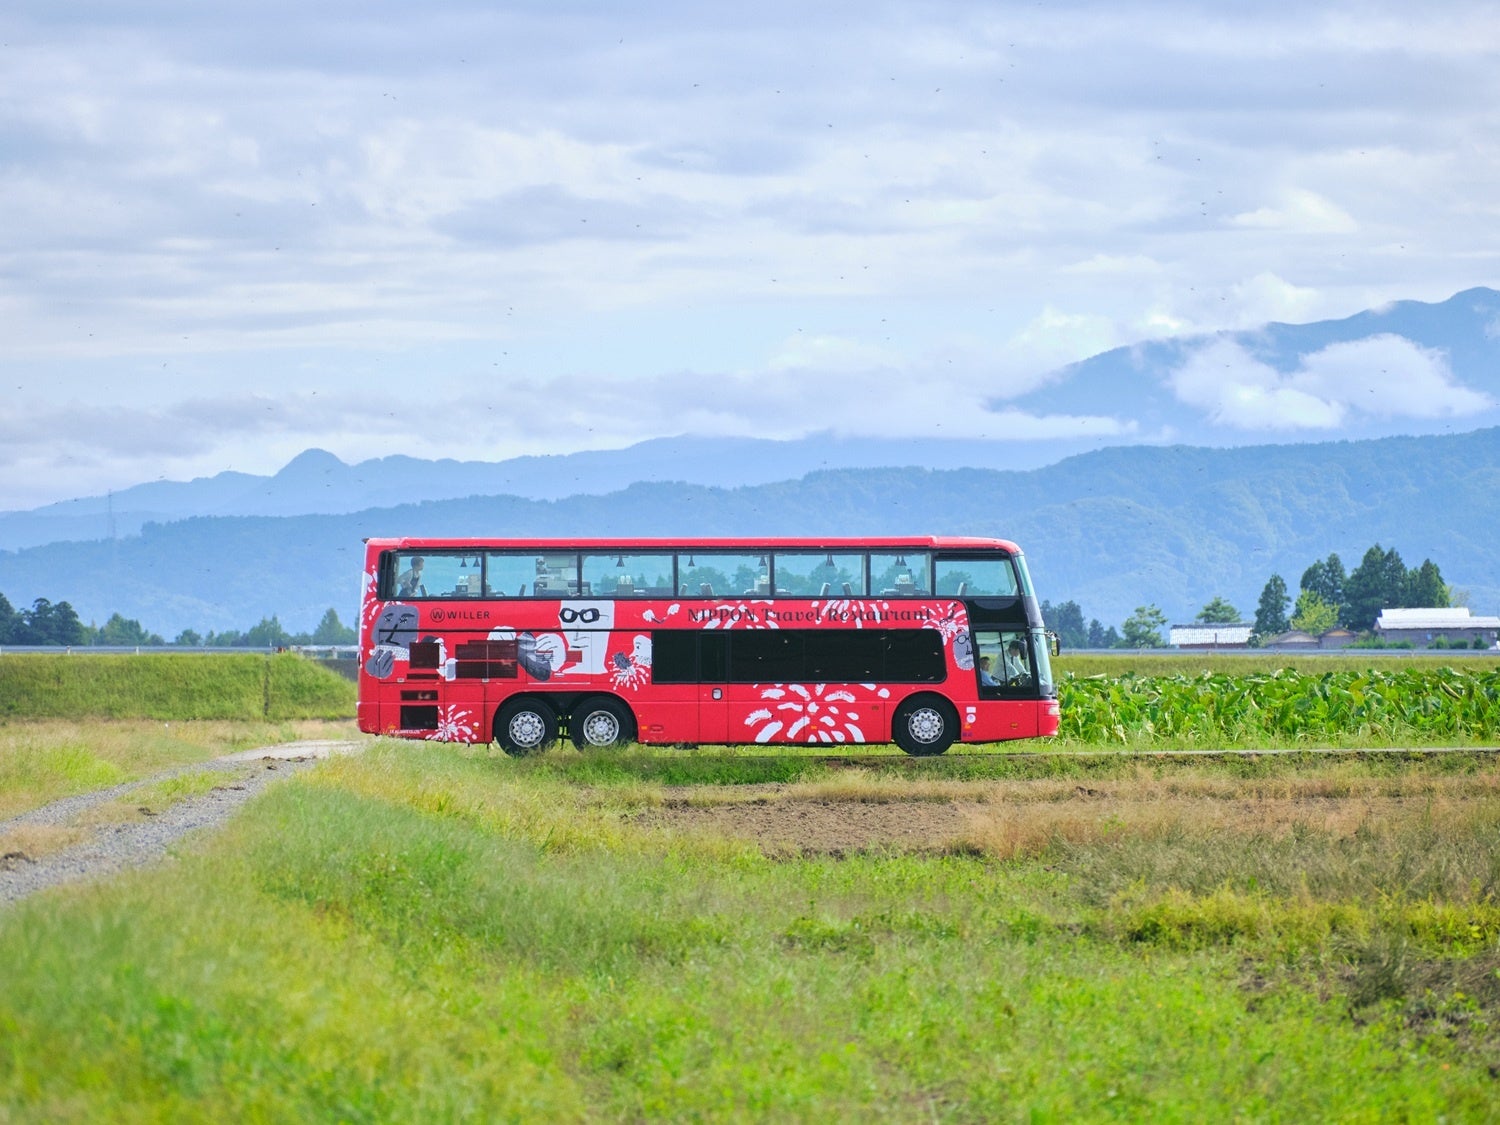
<point>439,615</point>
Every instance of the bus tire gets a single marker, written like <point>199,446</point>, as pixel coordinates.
<point>924,725</point>
<point>601,722</point>
<point>525,726</point>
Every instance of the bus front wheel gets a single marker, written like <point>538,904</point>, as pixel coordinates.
<point>525,726</point>
<point>601,723</point>
<point>924,725</point>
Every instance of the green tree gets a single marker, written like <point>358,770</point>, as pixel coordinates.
<point>1270,614</point>
<point>188,639</point>
<point>48,624</point>
<point>267,634</point>
<point>1314,615</point>
<point>1377,582</point>
<point>1425,587</point>
<point>1066,620</point>
<point>9,621</point>
<point>332,631</point>
<point>1218,612</point>
<point>1326,579</point>
<point>1143,627</point>
<point>1100,637</point>
<point>119,630</point>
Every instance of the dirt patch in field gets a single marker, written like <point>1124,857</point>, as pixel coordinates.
<point>796,826</point>
<point>1018,820</point>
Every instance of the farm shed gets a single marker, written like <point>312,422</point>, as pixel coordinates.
<point>1423,626</point>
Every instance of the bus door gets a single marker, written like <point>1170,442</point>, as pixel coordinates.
<point>688,701</point>
<point>714,689</point>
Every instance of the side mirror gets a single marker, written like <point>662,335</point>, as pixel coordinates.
<point>1054,644</point>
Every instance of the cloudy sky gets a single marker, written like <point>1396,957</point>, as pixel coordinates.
<point>234,231</point>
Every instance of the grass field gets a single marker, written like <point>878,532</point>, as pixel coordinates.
<point>438,933</point>
<point>428,932</point>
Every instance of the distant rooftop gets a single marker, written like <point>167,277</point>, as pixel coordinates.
<point>1199,633</point>
<point>1454,617</point>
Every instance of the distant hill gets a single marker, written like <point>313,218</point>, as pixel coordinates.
<point>1110,529</point>
<point>1134,385</point>
<point>316,482</point>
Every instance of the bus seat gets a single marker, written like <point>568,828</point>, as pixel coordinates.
<point>706,589</point>
<point>963,588</point>
<point>827,586</point>
<point>848,590</point>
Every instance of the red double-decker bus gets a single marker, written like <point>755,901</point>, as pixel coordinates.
<point>920,641</point>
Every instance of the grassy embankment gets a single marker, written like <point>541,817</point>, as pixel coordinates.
<point>160,711</point>
<point>436,933</point>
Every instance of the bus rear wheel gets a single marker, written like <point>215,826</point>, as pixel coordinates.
<point>601,723</point>
<point>924,725</point>
<point>525,726</point>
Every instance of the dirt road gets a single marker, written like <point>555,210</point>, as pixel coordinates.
<point>94,846</point>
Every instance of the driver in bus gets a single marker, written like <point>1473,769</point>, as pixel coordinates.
<point>410,582</point>
<point>1017,667</point>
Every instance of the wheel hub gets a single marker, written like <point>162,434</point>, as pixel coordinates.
<point>527,729</point>
<point>601,729</point>
<point>926,725</point>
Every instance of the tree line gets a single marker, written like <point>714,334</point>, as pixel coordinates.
<point>57,623</point>
<point>1328,597</point>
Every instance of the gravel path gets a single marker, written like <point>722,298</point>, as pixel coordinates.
<point>113,847</point>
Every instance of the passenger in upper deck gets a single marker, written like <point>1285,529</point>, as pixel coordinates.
<point>410,582</point>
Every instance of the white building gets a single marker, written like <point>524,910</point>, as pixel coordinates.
<point>1423,626</point>
<point>1203,635</point>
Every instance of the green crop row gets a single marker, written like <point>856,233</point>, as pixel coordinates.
<point>1284,706</point>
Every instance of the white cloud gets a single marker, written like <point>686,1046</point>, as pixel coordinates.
<point>1391,377</point>
<point>1266,298</point>
<point>1053,340</point>
<point>1382,376</point>
<point>1300,212</point>
<point>830,353</point>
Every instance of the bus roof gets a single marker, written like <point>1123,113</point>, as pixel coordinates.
<point>687,542</point>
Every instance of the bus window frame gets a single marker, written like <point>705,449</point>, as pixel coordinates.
<point>979,557</point>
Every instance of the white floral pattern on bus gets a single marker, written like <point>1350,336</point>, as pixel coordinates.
<point>455,725</point>
<point>811,713</point>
